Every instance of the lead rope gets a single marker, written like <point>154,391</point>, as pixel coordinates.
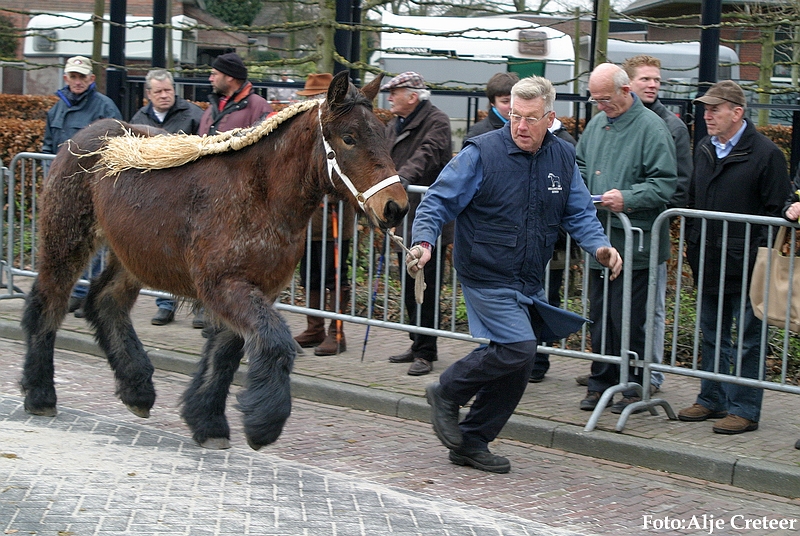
<point>419,277</point>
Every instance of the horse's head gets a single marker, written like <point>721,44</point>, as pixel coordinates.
<point>357,151</point>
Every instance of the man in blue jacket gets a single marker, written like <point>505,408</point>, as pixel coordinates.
<point>509,190</point>
<point>79,104</point>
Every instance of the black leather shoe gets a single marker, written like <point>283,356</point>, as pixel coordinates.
<point>444,417</point>
<point>420,367</point>
<point>405,357</point>
<point>481,459</point>
<point>537,376</point>
<point>163,317</point>
<point>74,304</point>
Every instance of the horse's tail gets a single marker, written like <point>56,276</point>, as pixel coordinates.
<point>267,403</point>
<point>67,221</point>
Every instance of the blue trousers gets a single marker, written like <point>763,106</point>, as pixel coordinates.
<point>93,270</point>
<point>166,303</point>
<point>717,396</point>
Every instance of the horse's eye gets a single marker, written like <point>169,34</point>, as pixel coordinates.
<point>349,140</point>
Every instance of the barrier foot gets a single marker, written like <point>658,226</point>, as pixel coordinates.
<point>649,405</point>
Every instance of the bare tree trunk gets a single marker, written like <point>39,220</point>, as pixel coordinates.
<point>325,44</point>
<point>97,40</point>
<point>765,73</point>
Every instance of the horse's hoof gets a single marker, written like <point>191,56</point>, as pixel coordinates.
<point>41,412</point>
<point>253,445</point>
<point>216,443</point>
<point>144,413</point>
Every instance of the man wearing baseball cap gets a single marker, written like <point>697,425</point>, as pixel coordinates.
<point>421,147</point>
<point>79,103</point>
<point>736,169</point>
<point>234,104</point>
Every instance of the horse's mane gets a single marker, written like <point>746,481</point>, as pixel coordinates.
<point>131,151</point>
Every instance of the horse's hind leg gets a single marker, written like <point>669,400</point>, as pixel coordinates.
<point>266,402</point>
<point>204,400</point>
<point>40,323</point>
<point>107,306</point>
<point>63,253</point>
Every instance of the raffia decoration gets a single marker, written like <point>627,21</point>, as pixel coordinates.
<point>131,151</point>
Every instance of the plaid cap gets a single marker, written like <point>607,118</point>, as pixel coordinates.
<point>408,79</point>
<point>725,91</point>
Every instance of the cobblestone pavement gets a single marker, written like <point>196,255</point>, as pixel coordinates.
<point>97,469</point>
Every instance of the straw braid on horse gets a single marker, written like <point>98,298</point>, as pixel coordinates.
<point>226,227</point>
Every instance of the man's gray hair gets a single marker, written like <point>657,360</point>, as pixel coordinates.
<point>620,78</point>
<point>534,87</point>
<point>422,94</point>
<point>160,75</point>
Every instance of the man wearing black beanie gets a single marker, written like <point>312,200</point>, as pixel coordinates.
<point>233,102</point>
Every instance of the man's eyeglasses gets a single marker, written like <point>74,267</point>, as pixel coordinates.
<point>604,102</point>
<point>530,121</point>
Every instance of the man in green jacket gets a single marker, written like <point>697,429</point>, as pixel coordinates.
<point>627,157</point>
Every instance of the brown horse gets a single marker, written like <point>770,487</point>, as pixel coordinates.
<point>226,230</point>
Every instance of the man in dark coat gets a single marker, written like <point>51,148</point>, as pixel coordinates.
<point>172,113</point>
<point>736,169</point>
<point>165,109</point>
<point>421,147</point>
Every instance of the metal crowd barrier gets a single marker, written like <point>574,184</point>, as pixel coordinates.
<point>684,290</point>
<point>21,183</point>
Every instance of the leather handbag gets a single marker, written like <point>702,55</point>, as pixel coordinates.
<point>772,273</point>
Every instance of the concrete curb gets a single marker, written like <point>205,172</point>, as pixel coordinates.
<point>703,463</point>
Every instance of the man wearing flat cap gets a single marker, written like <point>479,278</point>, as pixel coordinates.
<point>736,169</point>
<point>234,104</point>
<point>421,147</point>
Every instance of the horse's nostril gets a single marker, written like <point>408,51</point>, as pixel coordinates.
<point>393,213</point>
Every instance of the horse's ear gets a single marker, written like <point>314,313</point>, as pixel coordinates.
<point>340,85</point>
<point>371,89</point>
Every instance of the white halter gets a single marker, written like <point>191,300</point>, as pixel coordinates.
<point>333,165</point>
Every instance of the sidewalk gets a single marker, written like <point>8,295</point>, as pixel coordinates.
<point>548,414</point>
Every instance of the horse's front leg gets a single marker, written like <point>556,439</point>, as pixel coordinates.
<point>107,306</point>
<point>266,401</point>
<point>204,401</point>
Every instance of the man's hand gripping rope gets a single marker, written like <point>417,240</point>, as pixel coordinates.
<point>416,258</point>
